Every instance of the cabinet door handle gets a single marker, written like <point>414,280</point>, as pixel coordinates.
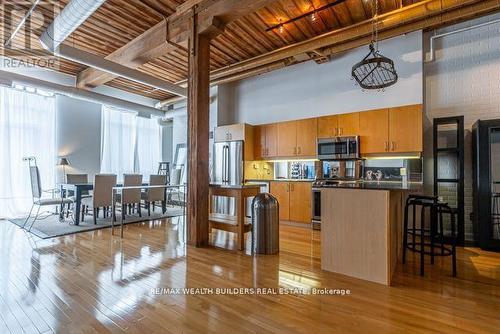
<point>293,188</point>
<point>393,146</point>
<point>294,150</point>
<point>299,150</point>
<point>386,146</point>
<point>287,187</point>
<point>340,131</point>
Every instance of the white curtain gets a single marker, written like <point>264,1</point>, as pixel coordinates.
<point>27,128</point>
<point>118,138</point>
<point>148,149</point>
<point>130,144</point>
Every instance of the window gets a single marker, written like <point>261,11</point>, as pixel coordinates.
<point>130,144</point>
<point>27,128</point>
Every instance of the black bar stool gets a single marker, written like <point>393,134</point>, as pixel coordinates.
<point>432,236</point>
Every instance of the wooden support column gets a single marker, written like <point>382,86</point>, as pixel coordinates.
<point>198,136</point>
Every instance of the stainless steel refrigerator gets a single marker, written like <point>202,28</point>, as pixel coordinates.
<point>227,168</point>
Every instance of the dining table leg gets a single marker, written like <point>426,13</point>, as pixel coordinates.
<point>61,208</point>
<point>78,205</point>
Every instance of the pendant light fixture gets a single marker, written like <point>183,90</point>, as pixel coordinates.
<point>375,71</point>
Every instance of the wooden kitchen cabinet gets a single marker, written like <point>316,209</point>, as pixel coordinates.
<point>300,202</point>
<point>266,141</point>
<point>374,131</point>
<point>294,200</point>
<point>306,134</point>
<point>287,139</point>
<point>406,129</point>
<point>281,191</point>
<point>327,126</point>
<point>236,132</point>
<point>348,124</point>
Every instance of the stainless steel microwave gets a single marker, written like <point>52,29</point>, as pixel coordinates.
<point>338,148</point>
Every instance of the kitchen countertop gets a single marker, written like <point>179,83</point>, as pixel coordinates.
<point>382,185</point>
<point>281,180</point>
<point>243,186</point>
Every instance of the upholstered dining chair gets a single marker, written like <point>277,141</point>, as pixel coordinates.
<point>102,195</point>
<point>175,180</point>
<point>153,195</point>
<point>36,192</point>
<point>77,179</point>
<point>131,197</point>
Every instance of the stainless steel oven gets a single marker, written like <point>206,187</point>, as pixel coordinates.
<point>338,148</point>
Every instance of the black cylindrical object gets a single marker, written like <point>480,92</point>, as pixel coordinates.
<point>265,224</point>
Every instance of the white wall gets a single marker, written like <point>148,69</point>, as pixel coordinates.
<point>309,90</point>
<point>463,80</point>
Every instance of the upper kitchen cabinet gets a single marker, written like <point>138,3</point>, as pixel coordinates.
<point>393,130</point>
<point>338,125</point>
<point>237,132</point>
<point>287,139</point>
<point>307,137</point>
<point>266,141</point>
<point>374,131</point>
<point>327,126</point>
<point>348,124</point>
<point>406,129</point>
<point>297,138</point>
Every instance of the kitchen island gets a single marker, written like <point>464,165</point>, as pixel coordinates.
<point>361,228</point>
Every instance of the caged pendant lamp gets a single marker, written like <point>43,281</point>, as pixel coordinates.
<point>375,71</point>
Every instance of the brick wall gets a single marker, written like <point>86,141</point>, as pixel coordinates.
<point>464,80</point>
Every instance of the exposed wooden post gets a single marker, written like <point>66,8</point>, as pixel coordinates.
<point>198,135</point>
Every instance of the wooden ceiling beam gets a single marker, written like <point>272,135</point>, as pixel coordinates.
<point>171,34</point>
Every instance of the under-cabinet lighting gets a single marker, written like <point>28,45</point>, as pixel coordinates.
<point>292,160</point>
<point>400,157</point>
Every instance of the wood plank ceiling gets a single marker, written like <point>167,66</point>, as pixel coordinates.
<point>117,22</point>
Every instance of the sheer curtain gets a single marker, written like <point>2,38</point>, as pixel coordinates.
<point>118,138</point>
<point>27,128</point>
<point>148,149</point>
<point>130,144</point>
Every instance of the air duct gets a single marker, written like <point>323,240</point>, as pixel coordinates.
<point>71,17</point>
<point>85,95</point>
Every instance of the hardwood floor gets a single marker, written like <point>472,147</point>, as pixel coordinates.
<point>91,282</point>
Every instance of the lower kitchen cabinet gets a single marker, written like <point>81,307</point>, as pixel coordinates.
<point>281,191</point>
<point>300,202</point>
<point>294,200</point>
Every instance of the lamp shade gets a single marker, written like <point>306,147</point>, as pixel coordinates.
<point>63,162</point>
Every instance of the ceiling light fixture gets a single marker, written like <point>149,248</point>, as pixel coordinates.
<point>375,71</point>
<point>312,14</point>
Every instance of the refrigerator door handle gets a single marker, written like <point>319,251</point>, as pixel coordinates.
<point>225,164</point>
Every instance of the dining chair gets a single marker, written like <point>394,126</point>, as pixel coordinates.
<point>153,195</point>
<point>131,197</point>
<point>102,195</point>
<point>77,179</point>
<point>37,192</point>
<point>175,180</point>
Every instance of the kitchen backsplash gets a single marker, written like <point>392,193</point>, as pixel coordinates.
<point>259,170</point>
<point>394,169</point>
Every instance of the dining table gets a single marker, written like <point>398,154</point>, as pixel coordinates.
<point>78,189</point>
